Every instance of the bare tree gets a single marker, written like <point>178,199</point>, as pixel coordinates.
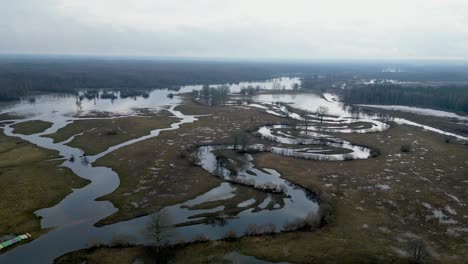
<point>205,92</point>
<point>257,88</point>
<point>295,87</point>
<point>224,93</point>
<point>270,228</point>
<point>230,234</point>
<point>276,86</point>
<point>214,98</point>
<point>243,141</point>
<point>240,140</point>
<point>419,253</point>
<point>195,157</point>
<point>293,122</point>
<point>308,122</point>
<point>195,94</point>
<point>252,230</point>
<point>243,90</point>
<point>235,140</point>
<point>321,112</point>
<point>84,160</point>
<point>158,229</point>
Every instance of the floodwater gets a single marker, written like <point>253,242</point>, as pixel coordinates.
<point>341,113</point>
<point>72,220</point>
<point>420,111</point>
<point>285,83</point>
<point>308,102</point>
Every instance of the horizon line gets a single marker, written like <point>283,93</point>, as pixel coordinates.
<point>231,59</point>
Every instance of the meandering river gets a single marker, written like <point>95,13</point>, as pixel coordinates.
<point>72,220</point>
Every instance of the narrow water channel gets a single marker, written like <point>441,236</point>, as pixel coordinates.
<point>72,220</point>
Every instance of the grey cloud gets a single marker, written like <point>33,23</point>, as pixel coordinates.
<point>36,27</point>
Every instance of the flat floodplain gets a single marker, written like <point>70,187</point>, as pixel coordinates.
<point>374,194</point>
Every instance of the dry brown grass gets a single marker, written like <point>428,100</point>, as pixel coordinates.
<point>100,134</point>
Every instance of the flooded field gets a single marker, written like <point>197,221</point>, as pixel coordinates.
<point>306,134</point>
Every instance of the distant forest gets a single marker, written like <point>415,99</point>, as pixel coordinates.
<point>21,77</point>
<point>24,75</point>
<point>451,98</point>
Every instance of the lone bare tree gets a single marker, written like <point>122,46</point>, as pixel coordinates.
<point>308,122</point>
<point>158,230</point>
<point>235,140</point>
<point>321,112</point>
<point>296,87</point>
<point>419,253</point>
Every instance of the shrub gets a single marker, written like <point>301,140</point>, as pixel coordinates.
<point>194,158</point>
<point>375,152</point>
<point>230,234</point>
<point>218,220</point>
<point>200,238</point>
<point>347,157</point>
<point>405,148</point>
<point>252,230</point>
<point>120,241</point>
<point>111,133</point>
<point>269,228</point>
<point>192,155</point>
<point>418,251</point>
<point>96,243</point>
<point>310,222</point>
<point>179,242</point>
<point>326,214</point>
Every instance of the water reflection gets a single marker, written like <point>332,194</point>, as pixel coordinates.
<point>75,216</point>
<point>123,102</point>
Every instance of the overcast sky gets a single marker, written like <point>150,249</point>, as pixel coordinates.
<point>265,29</point>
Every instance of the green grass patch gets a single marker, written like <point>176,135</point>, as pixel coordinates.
<point>31,127</point>
<point>29,182</point>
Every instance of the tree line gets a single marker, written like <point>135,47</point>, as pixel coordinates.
<point>212,96</point>
<point>19,78</point>
<point>451,98</point>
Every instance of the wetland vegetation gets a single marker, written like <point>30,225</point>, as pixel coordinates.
<point>251,132</point>
<point>273,171</point>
